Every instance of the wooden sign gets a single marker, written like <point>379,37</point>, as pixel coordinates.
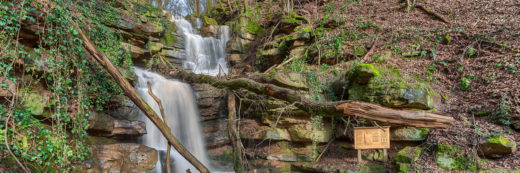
<point>372,137</point>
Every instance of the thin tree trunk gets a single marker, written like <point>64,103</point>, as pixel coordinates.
<point>165,122</point>
<point>139,102</point>
<point>330,109</point>
<point>197,7</point>
<point>233,133</point>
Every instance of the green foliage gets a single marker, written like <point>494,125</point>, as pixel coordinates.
<point>58,63</point>
<point>465,83</point>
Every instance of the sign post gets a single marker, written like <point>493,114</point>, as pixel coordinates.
<point>372,138</point>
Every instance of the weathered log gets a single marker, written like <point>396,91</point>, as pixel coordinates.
<point>139,102</point>
<point>360,109</point>
<point>394,116</point>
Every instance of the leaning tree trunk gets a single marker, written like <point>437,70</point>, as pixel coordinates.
<point>139,102</point>
<point>331,109</point>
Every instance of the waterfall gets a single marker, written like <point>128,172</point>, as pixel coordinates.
<point>181,111</point>
<point>203,54</point>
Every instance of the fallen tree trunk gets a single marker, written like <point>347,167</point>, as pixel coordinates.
<point>161,108</point>
<point>139,102</point>
<point>360,109</point>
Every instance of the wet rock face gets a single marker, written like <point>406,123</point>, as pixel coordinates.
<point>211,101</point>
<point>108,126</point>
<point>497,147</point>
<point>124,157</point>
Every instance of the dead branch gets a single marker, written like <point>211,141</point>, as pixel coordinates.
<point>330,109</point>
<point>139,102</point>
<point>433,13</point>
<point>165,122</point>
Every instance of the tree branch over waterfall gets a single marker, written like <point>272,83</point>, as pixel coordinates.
<point>139,102</point>
<point>332,109</point>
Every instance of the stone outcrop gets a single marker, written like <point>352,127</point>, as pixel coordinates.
<point>124,157</point>
<point>386,86</point>
<point>106,125</point>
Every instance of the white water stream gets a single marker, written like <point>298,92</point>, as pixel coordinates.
<point>181,111</point>
<point>203,55</point>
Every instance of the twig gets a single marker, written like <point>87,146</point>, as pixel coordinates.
<point>165,122</point>
<point>364,59</point>
<point>7,145</point>
<point>427,10</point>
<point>285,62</point>
<point>325,149</point>
<point>270,68</point>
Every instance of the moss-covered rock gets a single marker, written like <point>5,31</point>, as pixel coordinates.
<point>289,22</point>
<point>136,52</point>
<point>496,147</point>
<point>451,157</point>
<point>36,101</point>
<point>208,21</point>
<point>154,47</point>
<point>388,87</point>
<point>408,155</point>
<point>169,36</point>
<point>289,80</point>
<point>408,134</point>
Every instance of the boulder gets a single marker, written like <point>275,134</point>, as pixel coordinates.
<point>496,147</point>
<point>451,157</point>
<point>124,157</point>
<point>235,59</point>
<point>136,52</point>
<point>210,100</point>
<point>7,88</point>
<point>290,22</point>
<point>109,126</point>
<point>388,87</point>
<point>408,134</point>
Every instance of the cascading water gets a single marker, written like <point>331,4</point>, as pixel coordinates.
<point>181,112</point>
<point>203,54</point>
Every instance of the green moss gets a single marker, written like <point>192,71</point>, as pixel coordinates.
<point>450,157</point>
<point>253,27</point>
<point>500,140</point>
<point>35,102</point>
<point>169,37</point>
<point>386,85</point>
<point>408,155</point>
<point>403,167</point>
<point>210,21</point>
